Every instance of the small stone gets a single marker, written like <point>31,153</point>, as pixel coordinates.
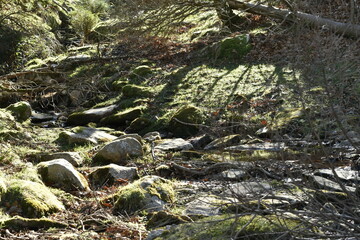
<point>176,144</point>
<point>107,175</point>
<point>152,136</point>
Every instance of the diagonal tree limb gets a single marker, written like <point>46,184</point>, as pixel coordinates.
<point>346,29</point>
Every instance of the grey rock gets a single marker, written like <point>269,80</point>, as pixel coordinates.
<point>120,151</point>
<point>37,117</point>
<point>233,175</point>
<point>223,142</point>
<point>152,136</point>
<point>133,135</point>
<point>324,183</point>
<point>276,147</point>
<point>252,188</point>
<point>72,157</point>
<point>61,173</point>
<point>201,141</point>
<point>204,206</point>
<point>176,144</point>
<point>85,135</point>
<point>344,174</point>
<point>107,175</point>
<point>91,115</point>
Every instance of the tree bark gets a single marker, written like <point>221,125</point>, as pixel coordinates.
<point>346,29</point>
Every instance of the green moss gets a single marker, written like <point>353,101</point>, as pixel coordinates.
<point>234,47</point>
<point>183,120</point>
<point>20,223</point>
<point>20,110</point>
<point>135,91</point>
<point>163,218</point>
<point>31,199</point>
<point>123,117</point>
<point>226,226</point>
<point>136,196</point>
<point>139,124</point>
<point>285,117</point>
<point>117,85</point>
<point>141,71</point>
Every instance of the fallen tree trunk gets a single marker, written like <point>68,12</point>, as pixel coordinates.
<point>346,29</point>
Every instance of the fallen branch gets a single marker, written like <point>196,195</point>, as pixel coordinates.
<point>346,29</point>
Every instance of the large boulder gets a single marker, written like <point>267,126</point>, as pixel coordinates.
<point>91,115</point>
<point>150,193</point>
<point>20,110</point>
<point>109,174</point>
<point>62,174</point>
<point>183,122</point>
<point>30,199</point>
<point>120,151</point>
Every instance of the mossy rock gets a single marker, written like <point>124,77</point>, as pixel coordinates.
<point>248,227</point>
<point>138,124</point>
<point>123,117</point>
<point>232,47</point>
<point>19,223</point>
<point>135,91</point>
<point>20,110</point>
<point>117,85</point>
<point>9,128</point>
<point>182,122</point>
<point>163,218</point>
<point>148,193</point>
<point>141,71</point>
<point>30,199</point>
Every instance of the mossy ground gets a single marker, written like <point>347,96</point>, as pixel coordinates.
<point>227,226</point>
